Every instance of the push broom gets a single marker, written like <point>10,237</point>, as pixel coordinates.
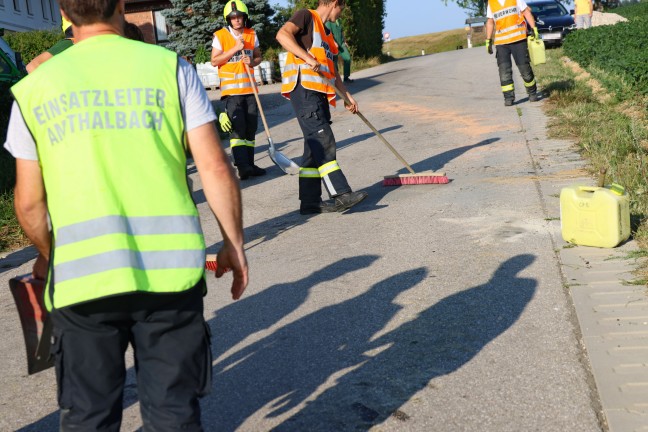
<point>413,178</point>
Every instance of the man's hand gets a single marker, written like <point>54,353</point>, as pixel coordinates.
<point>489,46</point>
<point>41,267</point>
<point>353,107</point>
<point>314,64</point>
<point>233,258</point>
<point>239,44</point>
<point>225,122</point>
<point>535,32</point>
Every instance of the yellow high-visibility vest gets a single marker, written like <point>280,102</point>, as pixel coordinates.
<point>110,141</point>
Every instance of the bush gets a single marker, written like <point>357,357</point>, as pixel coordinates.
<point>32,43</point>
<point>7,164</point>
<point>619,49</point>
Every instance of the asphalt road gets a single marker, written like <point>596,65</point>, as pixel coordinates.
<point>426,308</point>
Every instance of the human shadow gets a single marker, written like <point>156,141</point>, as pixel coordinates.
<point>439,341</point>
<point>266,308</point>
<point>281,370</point>
<point>369,375</point>
<point>251,314</point>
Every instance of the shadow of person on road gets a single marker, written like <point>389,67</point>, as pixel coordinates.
<point>281,370</point>
<point>440,340</point>
<point>238,320</point>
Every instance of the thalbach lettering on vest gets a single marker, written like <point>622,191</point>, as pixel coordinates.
<point>81,110</point>
<point>239,56</point>
<point>327,48</point>
<point>506,12</point>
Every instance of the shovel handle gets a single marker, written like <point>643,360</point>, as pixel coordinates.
<point>258,101</point>
<point>364,119</point>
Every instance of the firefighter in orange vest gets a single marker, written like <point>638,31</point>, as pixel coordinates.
<point>232,48</point>
<point>306,81</point>
<point>506,28</point>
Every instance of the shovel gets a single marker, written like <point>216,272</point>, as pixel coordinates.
<point>284,163</point>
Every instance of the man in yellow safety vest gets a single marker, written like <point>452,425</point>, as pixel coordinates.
<point>506,28</point>
<point>100,135</point>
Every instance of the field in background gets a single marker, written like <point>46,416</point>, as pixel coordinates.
<point>431,43</point>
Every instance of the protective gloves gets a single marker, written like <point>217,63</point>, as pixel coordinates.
<point>489,46</point>
<point>535,35</point>
<point>225,122</point>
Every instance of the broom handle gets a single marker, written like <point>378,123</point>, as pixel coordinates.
<point>364,119</point>
<point>258,101</point>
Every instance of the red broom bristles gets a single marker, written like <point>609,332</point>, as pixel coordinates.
<point>415,180</point>
<point>210,263</point>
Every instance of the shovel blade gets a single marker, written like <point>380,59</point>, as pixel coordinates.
<point>284,163</point>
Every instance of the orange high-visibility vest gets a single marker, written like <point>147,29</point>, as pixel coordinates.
<point>323,49</point>
<point>234,80</point>
<point>510,25</point>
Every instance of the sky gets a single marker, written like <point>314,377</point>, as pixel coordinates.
<point>415,17</point>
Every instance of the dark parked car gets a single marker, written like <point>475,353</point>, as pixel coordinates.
<point>553,20</point>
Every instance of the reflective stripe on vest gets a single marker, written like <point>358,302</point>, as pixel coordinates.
<point>510,25</point>
<point>323,49</point>
<point>111,146</point>
<point>233,77</point>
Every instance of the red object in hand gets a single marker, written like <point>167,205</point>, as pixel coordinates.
<point>210,263</point>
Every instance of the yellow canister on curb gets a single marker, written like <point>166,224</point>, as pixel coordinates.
<point>595,216</point>
<point>536,51</point>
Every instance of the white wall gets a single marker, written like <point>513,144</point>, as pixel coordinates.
<point>25,15</point>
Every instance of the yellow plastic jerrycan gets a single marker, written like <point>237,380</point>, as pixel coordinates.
<point>536,51</point>
<point>595,216</point>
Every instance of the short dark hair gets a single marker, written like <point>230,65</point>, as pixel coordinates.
<point>83,12</point>
<point>132,31</point>
<point>325,2</point>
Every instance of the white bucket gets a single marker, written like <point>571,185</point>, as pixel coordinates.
<point>208,75</point>
<point>283,56</point>
<point>257,75</point>
<point>267,68</point>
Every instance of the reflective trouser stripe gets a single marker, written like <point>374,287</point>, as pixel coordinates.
<point>126,258</point>
<point>237,142</point>
<point>328,168</point>
<point>530,84</point>
<point>508,88</point>
<point>324,171</point>
<point>309,173</point>
<point>142,225</point>
<point>250,143</point>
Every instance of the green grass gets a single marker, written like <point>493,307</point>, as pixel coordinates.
<point>429,43</point>
<point>11,236</point>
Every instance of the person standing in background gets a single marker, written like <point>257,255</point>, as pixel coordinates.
<point>343,49</point>
<point>233,48</point>
<point>583,13</point>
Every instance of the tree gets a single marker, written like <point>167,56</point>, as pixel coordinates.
<point>362,24</point>
<point>191,24</point>
<point>474,8</point>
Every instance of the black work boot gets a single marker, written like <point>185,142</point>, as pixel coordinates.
<point>534,97</point>
<point>245,171</point>
<point>256,171</point>
<point>349,199</point>
<point>508,102</point>
<point>317,208</point>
